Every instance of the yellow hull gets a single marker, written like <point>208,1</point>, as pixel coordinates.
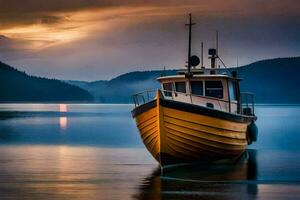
<point>176,136</point>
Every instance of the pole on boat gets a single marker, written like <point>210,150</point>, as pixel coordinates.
<point>202,64</point>
<point>213,54</point>
<point>190,24</point>
<point>217,47</point>
<point>217,42</point>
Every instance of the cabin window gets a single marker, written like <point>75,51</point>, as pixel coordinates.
<point>197,87</point>
<point>214,89</point>
<point>167,89</point>
<point>180,87</point>
<point>232,91</point>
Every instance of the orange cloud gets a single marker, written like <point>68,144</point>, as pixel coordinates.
<point>77,25</point>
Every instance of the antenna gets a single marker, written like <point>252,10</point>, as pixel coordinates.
<point>217,42</point>
<point>217,46</point>
<point>202,65</point>
<point>190,24</point>
<point>213,54</point>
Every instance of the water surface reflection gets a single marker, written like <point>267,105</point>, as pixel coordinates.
<point>62,172</point>
<point>223,182</point>
<point>53,151</point>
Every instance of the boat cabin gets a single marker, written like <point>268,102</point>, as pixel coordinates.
<point>216,91</point>
<point>204,87</point>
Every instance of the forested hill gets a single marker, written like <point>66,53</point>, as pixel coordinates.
<point>272,81</point>
<point>17,86</point>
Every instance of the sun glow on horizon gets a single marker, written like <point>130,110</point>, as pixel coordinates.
<point>63,108</point>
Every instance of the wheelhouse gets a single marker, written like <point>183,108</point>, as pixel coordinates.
<point>219,92</point>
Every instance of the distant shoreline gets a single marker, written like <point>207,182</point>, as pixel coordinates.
<point>99,103</point>
<point>273,81</point>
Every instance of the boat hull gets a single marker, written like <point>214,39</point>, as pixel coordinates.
<point>176,132</point>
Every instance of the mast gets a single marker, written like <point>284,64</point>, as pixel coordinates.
<point>190,24</point>
<point>217,42</point>
<point>213,53</point>
<point>202,65</point>
<point>217,47</point>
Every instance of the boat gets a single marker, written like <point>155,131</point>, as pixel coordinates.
<point>198,115</point>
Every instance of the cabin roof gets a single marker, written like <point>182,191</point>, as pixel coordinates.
<point>196,76</point>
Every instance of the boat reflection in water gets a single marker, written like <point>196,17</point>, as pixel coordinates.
<point>226,181</point>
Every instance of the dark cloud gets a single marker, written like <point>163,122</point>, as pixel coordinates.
<point>32,11</point>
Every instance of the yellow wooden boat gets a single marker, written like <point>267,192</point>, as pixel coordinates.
<point>196,116</point>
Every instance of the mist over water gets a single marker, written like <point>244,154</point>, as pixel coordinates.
<point>93,151</point>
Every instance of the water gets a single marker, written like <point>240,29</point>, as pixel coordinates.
<point>52,151</point>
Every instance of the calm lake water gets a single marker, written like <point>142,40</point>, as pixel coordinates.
<point>58,151</point>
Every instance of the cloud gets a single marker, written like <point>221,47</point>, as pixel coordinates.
<point>70,26</point>
<point>93,39</point>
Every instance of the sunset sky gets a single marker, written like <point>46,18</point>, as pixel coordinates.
<point>96,39</point>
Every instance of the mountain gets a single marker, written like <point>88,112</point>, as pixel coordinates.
<point>121,88</point>
<point>272,81</point>
<point>96,88</point>
<point>17,86</point>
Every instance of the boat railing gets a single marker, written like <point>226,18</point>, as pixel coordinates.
<point>247,103</point>
<point>246,99</point>
<point>143,97</point>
